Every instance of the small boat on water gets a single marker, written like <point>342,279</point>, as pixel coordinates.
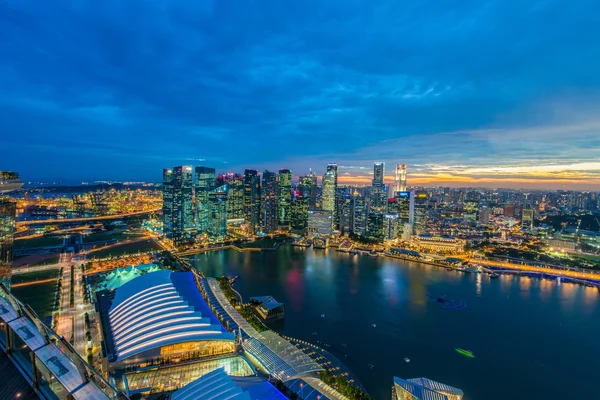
<point>373,253</point>
<point>407,359</point>
<point>464,352</point>
<point>374,326</point>
<point>449,269</point>
<point>322,315</point>
<point>494,275</point>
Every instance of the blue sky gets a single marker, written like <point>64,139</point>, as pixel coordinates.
<point>492,93</point>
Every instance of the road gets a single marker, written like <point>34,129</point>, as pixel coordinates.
<point>530,268</point>
<point>24,270</point>
<point>71,220</point>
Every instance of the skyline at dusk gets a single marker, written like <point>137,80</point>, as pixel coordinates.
<point>482,94</point>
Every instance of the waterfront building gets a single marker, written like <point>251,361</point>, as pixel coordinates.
<point>400,178</point>
<point>378,193</point>
<point>329,189</point>
<point>360,216</point>
<point>269,200</point>
<point>299,212</point>
<point>418,211</point>
<point>267,307</point>
<point>437,244</point>
<point>8,218</point>
<point>9,181</point>
<point>308,186</point>
<point>159,319</point>
<point>390,226</point>
<point>284,197</point>
<point>217,200</point>
<point>205,183</point>
<point>177,203</point>
<point>235,194</point>
<point>424,389</point>
<point>252,200</point>
<point>375,226</point>
<point>320,222</point>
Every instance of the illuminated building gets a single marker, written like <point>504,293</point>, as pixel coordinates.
<point>299,213</point>
<point>319,222</point>
<point>378,192</point>
<point>205,183</point>
<point>527,217</point>
<point>437,244</point>
<point>390,226</point>
<point>360,216</point>
<point>252,200</point>
<point>403,206</point>
<point>284,197</point>
<point>160,318</point>
<point>329,189</point>
<point>177,203</point>
<point>484,216</point>
<point>8,215</point>
<point>308,186</point>
<point>400,178</point>
<point>9,181</point>
<point>375,226</point>
<point>346,207</point>
<point>424,389</point>
<point>269,201</point>
<point>217,218</point>
<point>418,211</point>
<point>235,194</point>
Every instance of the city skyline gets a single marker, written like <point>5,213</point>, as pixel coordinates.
<point>479,105</point>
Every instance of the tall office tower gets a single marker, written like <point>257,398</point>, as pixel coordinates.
<point>400,178</point>
<point>390,226</point>
<point>418,211</point>
<point>308,186</point>
<point>177,203</point>
<point>527,217</point>
<point>217,218</point>
<point>347,214</point>
<point>360,216</point>
<point>8,217</point>
<point>235,194</point>
<point>375,226</point>
<point>205,183</point>
<point>378,192</point>
<point>284,197</point>
<point>252,200</point>
<point>299,214</point>
<point>333,169</point>
<point>484,215</point>
<point>328,191</point>
<point>269,201</point>
<point>509,211</point>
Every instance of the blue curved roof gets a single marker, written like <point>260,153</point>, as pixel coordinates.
<point>158,309</point>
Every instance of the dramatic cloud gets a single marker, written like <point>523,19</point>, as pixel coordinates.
<point>496,93</point>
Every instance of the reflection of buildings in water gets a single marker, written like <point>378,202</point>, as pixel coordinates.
<point>590,296</point>
<point>295,288</point>
<point>546,288</point>
<point>525,286</point>
<point>568,292</point>
<point>478,284</point>
<point>388,276</point>
<point>506,281</point>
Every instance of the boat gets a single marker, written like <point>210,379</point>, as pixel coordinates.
<point>494,275</point>
<point>322,315</point>
<point>370,366</point>
<point>407,359</point>
<point>449,269</point>
<point>374,326</point>
<point>464,352</point>
<point>373,253</point>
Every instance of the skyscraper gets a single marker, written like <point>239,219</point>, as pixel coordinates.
<point>252,200</point>
<point>403,209</point>
<point>346,214</point>
<point>375,226</point>
<point>235,194</point>
<point>205,183</point>
<point>418,211</point>
<point>308,186</point>
<point>378,192</point>
<point>177,203</point>
<point>217,218</point>
<point>360,216</point>
<point>269,201</point>
<point>299,213</point>
<point>400,178</point>
<point>328,191</point>
<point>284,197</point>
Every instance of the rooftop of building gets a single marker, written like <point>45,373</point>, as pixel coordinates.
<point>158,309</point>
<point>426,389</point>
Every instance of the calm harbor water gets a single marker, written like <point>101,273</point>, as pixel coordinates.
<point>532,338</point>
